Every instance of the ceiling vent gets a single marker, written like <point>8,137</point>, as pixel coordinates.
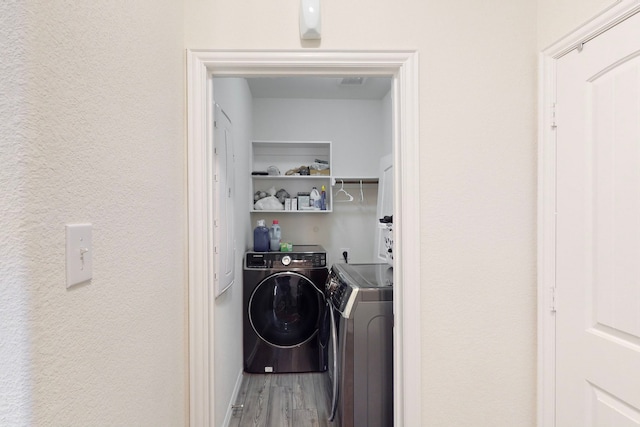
<point>352,81</point>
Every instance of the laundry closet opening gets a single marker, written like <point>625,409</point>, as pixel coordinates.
<point>215,308</point>
<point>278,126</point>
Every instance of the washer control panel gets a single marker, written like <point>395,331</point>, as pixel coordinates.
<point>285,260</point>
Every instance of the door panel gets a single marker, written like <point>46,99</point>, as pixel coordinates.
<point>608,410</point>
<point>616,195</point>
<point>223,200</point>
<point>598,231</point>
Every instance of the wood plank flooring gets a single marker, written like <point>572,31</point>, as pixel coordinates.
<point>282,400</point>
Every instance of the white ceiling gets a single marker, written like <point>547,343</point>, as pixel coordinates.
<point>318,87</point>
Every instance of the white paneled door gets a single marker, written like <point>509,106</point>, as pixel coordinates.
<point>598,231</point>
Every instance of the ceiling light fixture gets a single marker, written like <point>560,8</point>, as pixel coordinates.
<point>310,19</point>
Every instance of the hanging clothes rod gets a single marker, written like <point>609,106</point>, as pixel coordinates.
<point>355,180</point>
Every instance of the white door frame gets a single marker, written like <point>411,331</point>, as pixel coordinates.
<point>547,195</point>
<point>202,65</point>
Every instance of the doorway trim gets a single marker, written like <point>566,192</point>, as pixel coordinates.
<point>617,13</point>
<point>402,66</point>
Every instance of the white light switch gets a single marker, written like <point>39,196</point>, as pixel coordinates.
<point>79,254</point>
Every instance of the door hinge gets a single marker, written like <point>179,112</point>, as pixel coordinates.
<point>554,117</point>
<point>552,299</point>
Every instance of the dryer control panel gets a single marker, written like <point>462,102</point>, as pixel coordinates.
<point>340,292</point>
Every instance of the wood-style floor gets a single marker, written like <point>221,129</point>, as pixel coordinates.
<point>282,400</point>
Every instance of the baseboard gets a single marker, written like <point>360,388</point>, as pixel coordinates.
<point>234,398</point>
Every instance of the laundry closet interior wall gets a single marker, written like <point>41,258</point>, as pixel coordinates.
<point>234,94</point>
<point>360,132</point>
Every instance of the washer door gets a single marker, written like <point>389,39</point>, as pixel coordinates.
<point>285,308</point>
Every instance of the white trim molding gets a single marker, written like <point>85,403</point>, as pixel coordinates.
<point>201,375</point>
<point>234,398</point>
<point>402,66</point>
<point>620,11</point>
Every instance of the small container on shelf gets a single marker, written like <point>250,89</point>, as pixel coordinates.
<point>286,247</point>
<point>303,201</point>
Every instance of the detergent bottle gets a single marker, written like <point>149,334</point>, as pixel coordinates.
<point>323,199</point>
<point>261,237</point>
<point>315,199</point>
<point>275,235</point>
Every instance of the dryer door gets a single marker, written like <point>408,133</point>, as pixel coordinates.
<point>334,362</point>
<point>285,309</point>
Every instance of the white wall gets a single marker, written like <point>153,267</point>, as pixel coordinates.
<point>235,99</point>
<point>15,405</point>
<point>557,18</point>
<point>95,133</point>
<point>477,191</point>
<point>354,127</point>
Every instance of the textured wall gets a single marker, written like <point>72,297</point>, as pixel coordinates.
<point>478,160</point>
<point>15,405</point>
<point>557,18</point>
<point>100,138</point>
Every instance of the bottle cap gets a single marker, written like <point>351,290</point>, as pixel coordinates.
<point>275,221</point>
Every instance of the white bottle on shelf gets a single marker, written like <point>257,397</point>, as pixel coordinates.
<point>315,199</point>
<point>275,235</point>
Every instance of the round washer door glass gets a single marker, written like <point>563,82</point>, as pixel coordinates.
<point>285,309</point>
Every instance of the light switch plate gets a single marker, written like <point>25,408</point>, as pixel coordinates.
<point>79,254</point>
